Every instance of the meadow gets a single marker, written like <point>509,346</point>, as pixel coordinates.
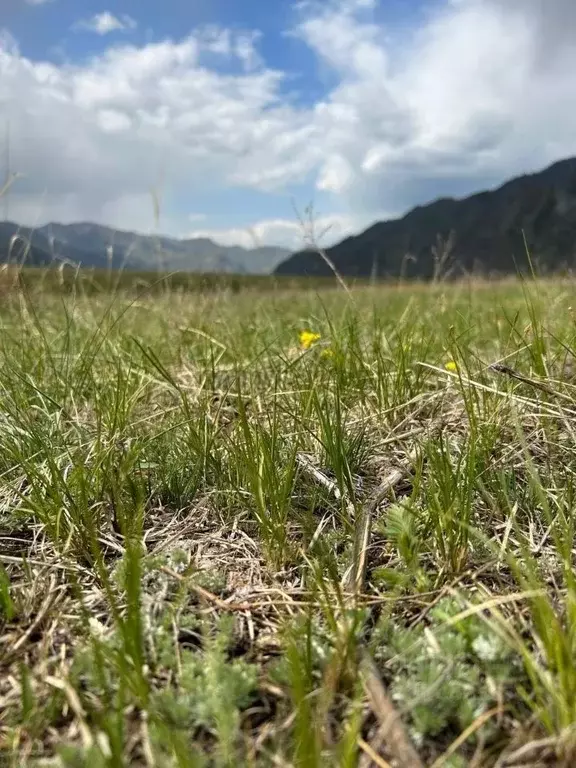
<point>287,525</point>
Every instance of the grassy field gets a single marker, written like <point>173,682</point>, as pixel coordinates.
<point>90,281</point>
<point>288,527</point>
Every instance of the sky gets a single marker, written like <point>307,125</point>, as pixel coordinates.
<point>233,118</point>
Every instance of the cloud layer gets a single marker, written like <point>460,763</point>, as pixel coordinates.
<point>294,234</point>
<point>106,22</point>
<point>478,91</point>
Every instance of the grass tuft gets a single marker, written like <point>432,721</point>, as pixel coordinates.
<point>263,525</point>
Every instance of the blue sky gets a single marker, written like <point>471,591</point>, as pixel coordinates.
<point>44,27</point>
<point>236,113</point>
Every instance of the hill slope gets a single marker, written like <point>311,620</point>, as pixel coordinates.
<point>486,232</point>
<point>93,245</point>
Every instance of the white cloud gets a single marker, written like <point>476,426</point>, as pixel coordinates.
<point>94,135</point>
<point>113,121</point>
<point>37,2</point>
<point>288,233</point>
<point>245,50</point>
<point>105,22</point>
<point>8,42</point>
<point>479,91</point>
<point>241,45</point>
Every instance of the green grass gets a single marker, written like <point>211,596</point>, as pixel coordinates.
<point>90,281</point>
<point>222,547</point>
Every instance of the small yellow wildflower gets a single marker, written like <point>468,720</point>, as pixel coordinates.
<point>307,338</point>
<point>328,352</point>
<point>451,366</point>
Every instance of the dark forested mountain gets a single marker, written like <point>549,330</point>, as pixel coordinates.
<point>485,233</point>
<point>92,245</point>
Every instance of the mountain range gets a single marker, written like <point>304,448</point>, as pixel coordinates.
<point>92,245</point>
<point>530,220</point>
<point>487,233</point>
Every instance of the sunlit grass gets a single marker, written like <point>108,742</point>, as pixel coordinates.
<point>216,506</point>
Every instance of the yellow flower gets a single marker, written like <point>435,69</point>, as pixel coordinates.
<point>307,338</point>
<point>328,352</point>
<point>451,366</point>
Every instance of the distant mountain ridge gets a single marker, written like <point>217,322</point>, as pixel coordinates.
<point>92,245</point>
<point>484,233</point>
